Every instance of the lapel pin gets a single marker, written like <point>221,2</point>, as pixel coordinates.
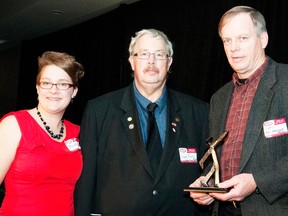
<point>174,125</point>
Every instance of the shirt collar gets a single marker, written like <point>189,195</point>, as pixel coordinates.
<point>251,78</point>
<point>143,102</point>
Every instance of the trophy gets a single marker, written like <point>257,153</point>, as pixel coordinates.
<point>214,169</point>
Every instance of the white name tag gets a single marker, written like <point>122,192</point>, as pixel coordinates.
<point>188,155</point>
<point>275,128</point>
<point>72,144</point>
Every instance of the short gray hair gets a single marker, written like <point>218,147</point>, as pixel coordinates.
<point>256,17</point>
<point>154,33</point>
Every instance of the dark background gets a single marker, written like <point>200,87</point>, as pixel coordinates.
<point>101,45</point>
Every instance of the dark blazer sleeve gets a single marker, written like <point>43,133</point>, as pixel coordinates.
<point>88,141</point>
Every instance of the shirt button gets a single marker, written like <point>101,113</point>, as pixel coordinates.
<point>155,192</point>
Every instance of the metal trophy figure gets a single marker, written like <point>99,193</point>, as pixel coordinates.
<point>215,166</point>
<point>214,169</point>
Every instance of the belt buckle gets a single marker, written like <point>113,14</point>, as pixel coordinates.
<point>236,204</point>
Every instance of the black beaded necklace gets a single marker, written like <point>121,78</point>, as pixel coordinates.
<point>54,136</point>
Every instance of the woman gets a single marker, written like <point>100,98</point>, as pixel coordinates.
<point>40,156</point>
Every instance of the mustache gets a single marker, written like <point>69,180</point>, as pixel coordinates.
<point>151,67</point>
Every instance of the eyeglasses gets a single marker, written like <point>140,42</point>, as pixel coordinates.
<point>159,55</point>
<point>59,86</point>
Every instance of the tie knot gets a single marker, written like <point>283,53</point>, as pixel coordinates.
<point>151,107</point>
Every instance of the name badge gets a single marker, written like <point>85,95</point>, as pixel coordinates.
<point>72,144</point>
<point>275,128</point>
<point>188,155</point>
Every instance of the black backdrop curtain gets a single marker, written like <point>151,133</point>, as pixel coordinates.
<point>101,45</point>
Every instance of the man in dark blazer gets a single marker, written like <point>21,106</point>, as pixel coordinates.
<point>117,178</point>
<point>253,108</point>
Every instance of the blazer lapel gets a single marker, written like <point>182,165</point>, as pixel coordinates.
<point>173,132</point>
<point>131,124</point>
<point>218,116</point>
<point>258,113</point>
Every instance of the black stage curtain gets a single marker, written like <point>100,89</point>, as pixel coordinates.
<point>101,45</point>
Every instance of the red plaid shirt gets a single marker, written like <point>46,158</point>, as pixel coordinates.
<point>241,101</point>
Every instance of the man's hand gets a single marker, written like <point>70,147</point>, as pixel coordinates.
<point>200,198</point>
<point>241,185</point>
